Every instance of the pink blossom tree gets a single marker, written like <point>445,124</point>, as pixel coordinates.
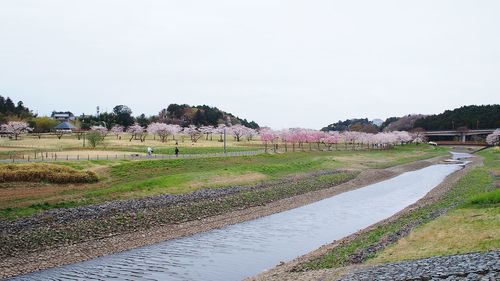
<point>207,131</point>
<point>193,133</point>
<point>161,129</point>
<point>117,130</point>
<point>174,129</point>
<point>220,131</point>
<point>250,134</point>
<point>238,131</point>
<point>493,138</point>
<point>331,138</point>
<point>135,131</point>
<point>285,137</point>
<point>15,128</point>
<point>103,131</point>
<point>266,136</point>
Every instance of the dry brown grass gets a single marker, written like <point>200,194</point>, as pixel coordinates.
<point>42,172</point>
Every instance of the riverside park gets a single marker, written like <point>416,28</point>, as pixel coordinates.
<point>69,211</point>
<point>261,140</point>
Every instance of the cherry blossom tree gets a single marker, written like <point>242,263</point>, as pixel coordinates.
<point>207,130</point>
<point>193,133</point>
<point>15,128</point>
<point>266,136</point>
<point>493,138</point>
<point>285,137</point>
<point>174,129</point>
<point>103,131</point>
<point>220,130</point>
<point>161,129</point>
<point>117,130</point>
<point>418,135</point>
<point>331,138</point>
<point>136,130</point>
<point>250,133</point>
<point>238,131</point>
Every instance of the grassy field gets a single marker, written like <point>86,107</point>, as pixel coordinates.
<point>473,226</point>
<point>70,145</point>
<point>133,179</point>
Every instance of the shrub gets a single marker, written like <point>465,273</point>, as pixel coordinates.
<point>40,172</point>
<point>94,138</point>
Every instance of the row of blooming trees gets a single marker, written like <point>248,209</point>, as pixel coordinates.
<point>163,131</point>
<point>294,137</point>
<point>299,138</point>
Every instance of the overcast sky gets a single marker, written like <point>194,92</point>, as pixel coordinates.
<point>281,63</point>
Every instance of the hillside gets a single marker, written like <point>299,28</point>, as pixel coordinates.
<point>184,115</point>
<point>471,116</point>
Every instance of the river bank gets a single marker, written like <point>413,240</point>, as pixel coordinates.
<point>27,262</point>
<point>304,268</point>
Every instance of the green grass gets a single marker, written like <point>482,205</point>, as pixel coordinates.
<point>12,213</point>
<point>486,199</point>
<point>474,184</point>
<point>125,179</point>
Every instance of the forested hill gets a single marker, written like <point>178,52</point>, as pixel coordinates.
<point>471,116</point>
<point>184,115</point>
<point>10,110</point>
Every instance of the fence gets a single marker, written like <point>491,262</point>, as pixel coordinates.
<point>54,157</point>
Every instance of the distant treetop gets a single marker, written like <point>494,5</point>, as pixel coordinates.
<point>9,110</point>
<point>471,117</point>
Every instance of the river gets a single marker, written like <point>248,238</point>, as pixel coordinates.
<point>245,249</point>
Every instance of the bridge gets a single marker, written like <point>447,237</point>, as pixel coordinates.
<point>460,133</point>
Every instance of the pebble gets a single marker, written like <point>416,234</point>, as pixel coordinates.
<point>472,266</point>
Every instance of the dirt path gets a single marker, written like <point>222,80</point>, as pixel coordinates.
<point>87,250</point>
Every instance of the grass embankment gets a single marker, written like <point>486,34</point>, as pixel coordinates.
<point>122,222</point>
<point>136,179</point>
<point>473,226</point>
<point>41,172</point>
<point>468,219</point>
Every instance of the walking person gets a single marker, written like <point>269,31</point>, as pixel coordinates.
<point>150,151</point>
<point>176,151</point>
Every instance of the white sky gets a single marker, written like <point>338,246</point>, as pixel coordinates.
<point>281,63</point>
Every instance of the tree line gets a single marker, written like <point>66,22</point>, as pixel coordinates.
<point>183,115</point>
<point>469,117</point>
<point>177,114</point>
<point>12,111</point>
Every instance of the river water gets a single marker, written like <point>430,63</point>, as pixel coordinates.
<point>245,249</point>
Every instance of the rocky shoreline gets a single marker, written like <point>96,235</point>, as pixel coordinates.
<point>28,261</point>
<point>471,266</point>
